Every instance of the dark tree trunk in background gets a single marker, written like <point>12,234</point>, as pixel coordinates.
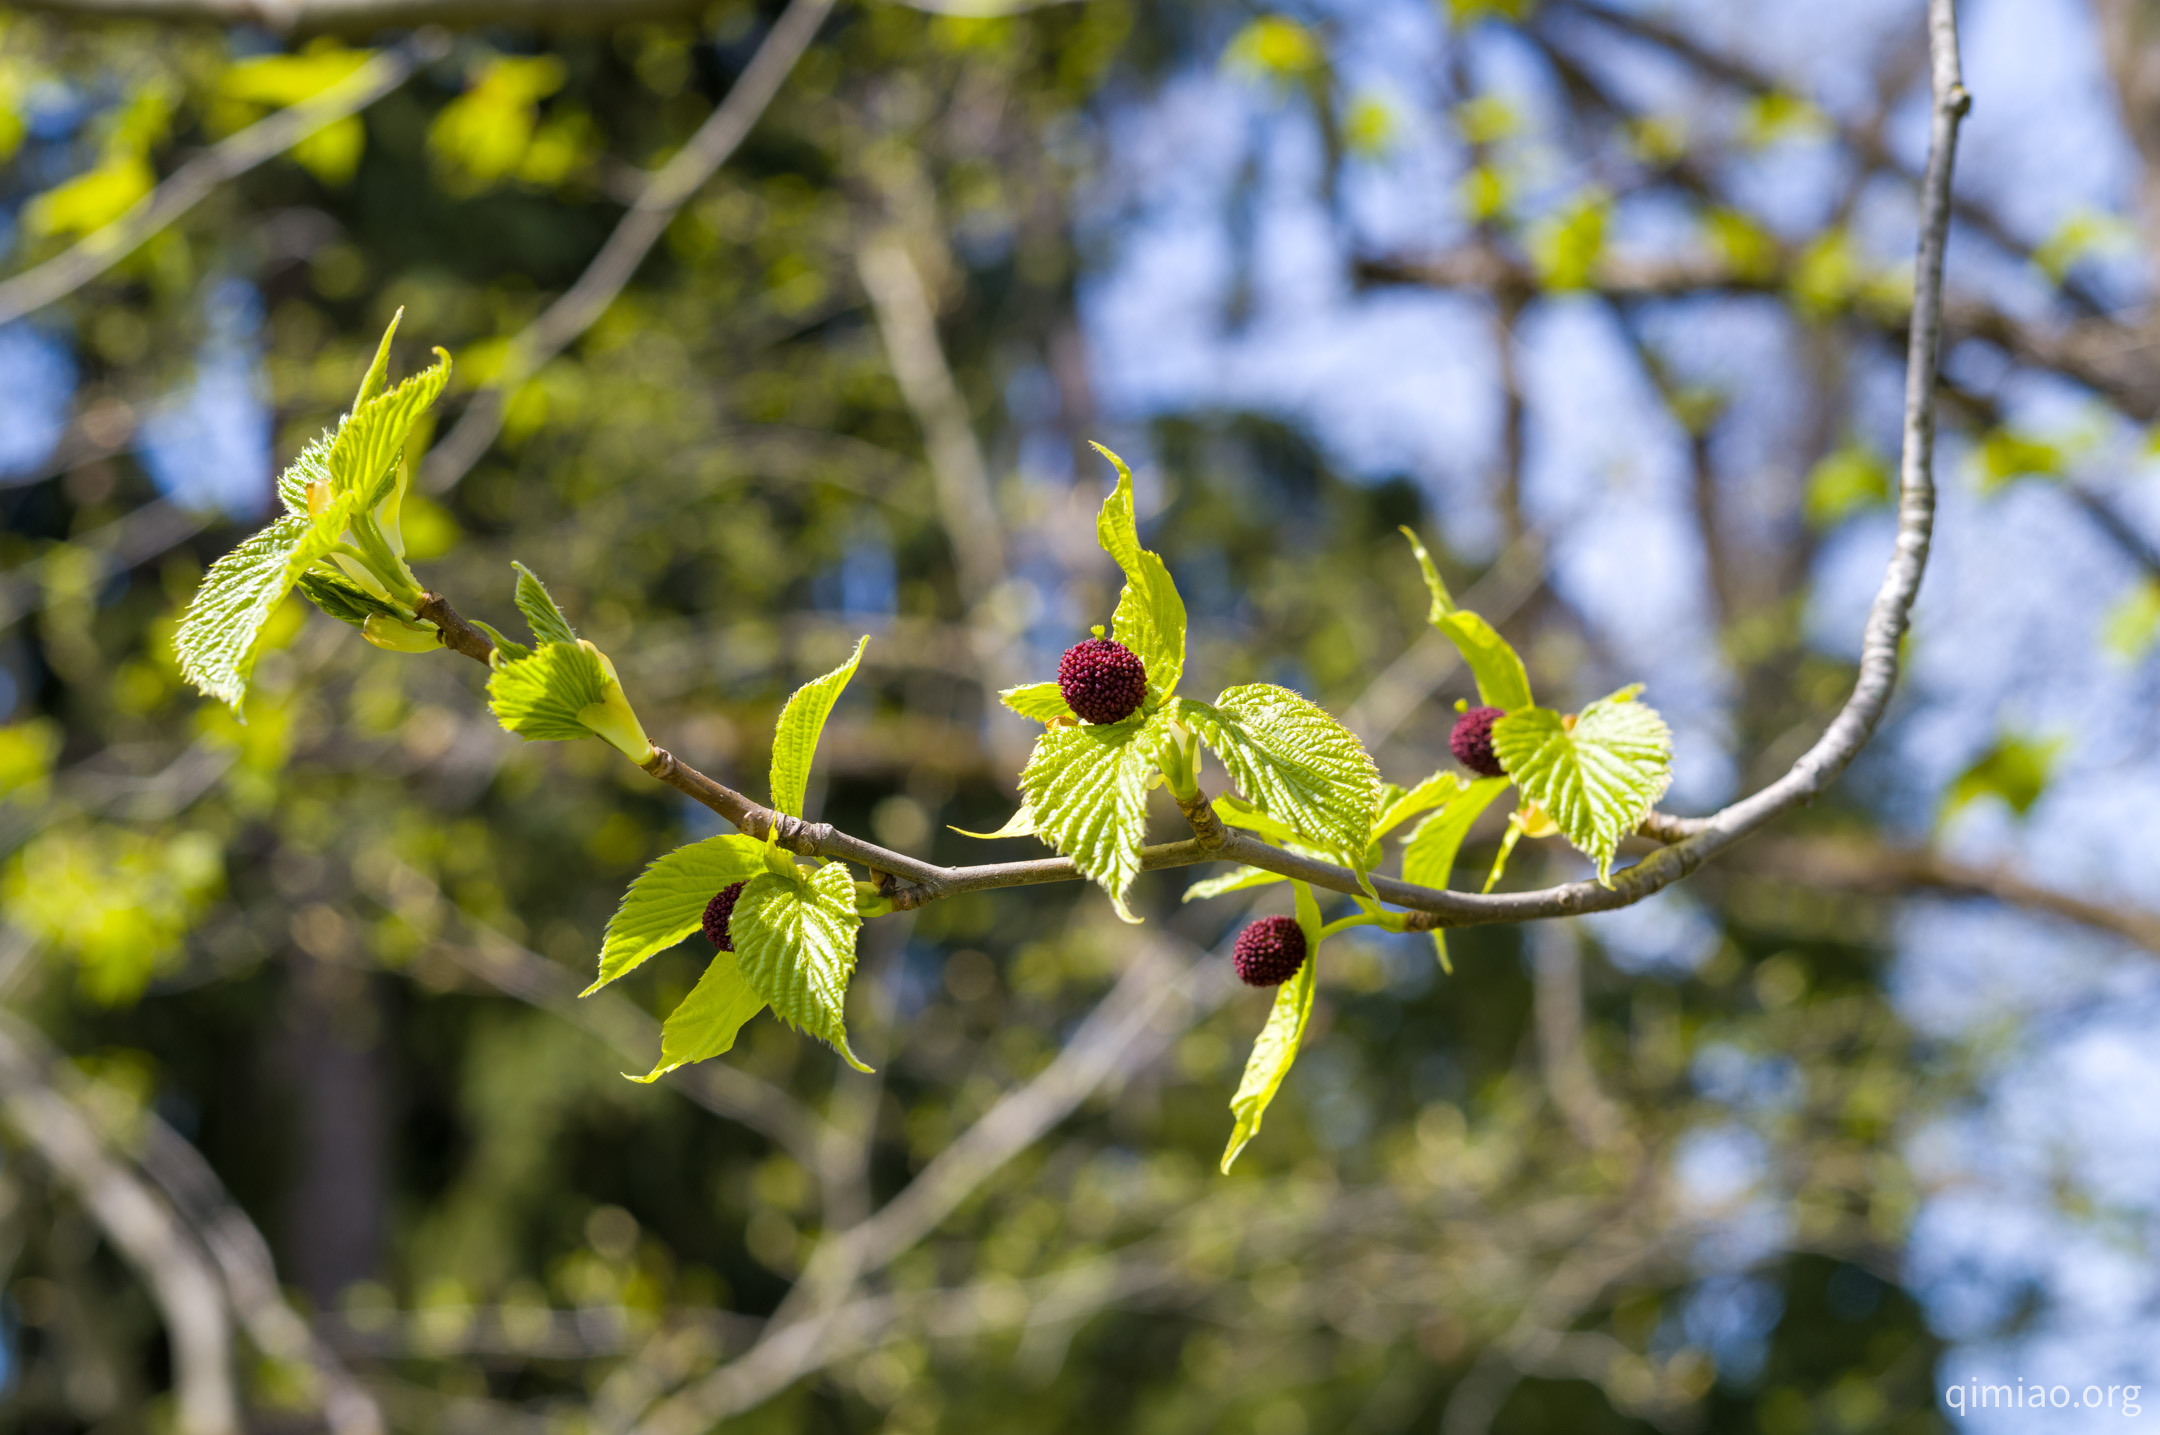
<point>2130,32</point>
<point>334,1216</point>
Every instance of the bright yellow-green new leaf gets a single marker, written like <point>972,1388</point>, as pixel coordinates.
<point>1293,761</point>
<point>1596,776</point>
<point>1087,787</point>
<point>1502,680</point>
<point>704,1024</point>
<point>795,942</point>
<point>667,901</point>
<point>795,739</point>
<point>1277,1046</point>
<point>1429,859</point>
<point>1040,701</point>
<point>1150,617</point>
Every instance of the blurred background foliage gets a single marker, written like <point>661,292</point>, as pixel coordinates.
<point>1659,1173</point>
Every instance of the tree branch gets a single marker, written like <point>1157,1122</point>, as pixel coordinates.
<point>665,192</point>
<point>142,1228</point>
<point>1114,1037</point>
<point>724,1090</point>
<point>190,184</point>
<point>1871,867</point>
<point>250,1274</point>
<point>909,882</point>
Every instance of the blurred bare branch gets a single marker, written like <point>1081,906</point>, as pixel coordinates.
<point>516,970</point>
<point>142,1228</point>
<point>193,182</point>
<point>664,193</point>
<point>1152,1002</point>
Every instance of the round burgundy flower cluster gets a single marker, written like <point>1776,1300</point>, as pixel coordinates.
<point>1269,952</point>
<point>1471,741</point>
<point>717,912</point>
<point>1102,680</point>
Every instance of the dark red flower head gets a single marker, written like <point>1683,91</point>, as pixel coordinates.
<point>717,912</point>
<point>1269,952</point>
<point>1471,742</point>
<point>1102,680</point>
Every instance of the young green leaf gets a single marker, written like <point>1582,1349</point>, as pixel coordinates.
<point>541,613</point>
<point>1237,879</point>
<point>395,635</point>
<point>217,638</point>
<point>667,901</point>
<point>1501,679</point>
<point>330,488</point>
<point>1040,701</point>
<point>1087,787</point>
<point>1443,602</point>
<point>795,941</point>
<point>506,650</point>
<point>1293,761</point>
<point>795,739</point>
<point>1235,811</point>
<point>378,373</point>
<point>542,698</point>
<point>365,453</point>
<point>341,598</point>
<point>1598,777</point>
<point>1429,855</point>
<point>1398,806</point>
<point>1429,859</point>
<point>1150,617</point>
<point>1508,839</point>
<point>703,1025</point>
<point>311,468</point>
<point>1278,1042</point>
<point>1020,824</point>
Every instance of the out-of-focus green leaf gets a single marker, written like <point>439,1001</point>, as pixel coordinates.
<point>1277,47</point>
<point>2005,455</point>
<point>1846,480</point>
<point>2015,770</point>
<point>1565,247</point>
<point>2134,621</point>
<point>119,902</point>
